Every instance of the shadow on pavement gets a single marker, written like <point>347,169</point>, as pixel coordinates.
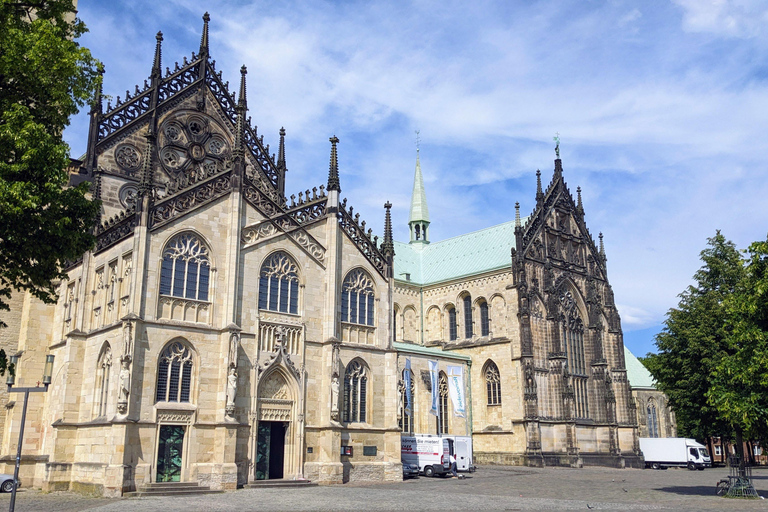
<point>695,490</point>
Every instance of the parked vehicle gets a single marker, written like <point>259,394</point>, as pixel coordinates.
<point>461,448</point>
<point>6,483</point>
<point>430,453</point>
<point>410,470</point>
<point>667,452</point>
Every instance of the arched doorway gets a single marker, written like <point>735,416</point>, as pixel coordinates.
<point>275,430</point>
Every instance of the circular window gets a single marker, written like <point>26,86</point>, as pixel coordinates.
<point>128,157</point>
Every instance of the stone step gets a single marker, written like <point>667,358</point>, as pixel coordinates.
<point>262,484</point>
<point>171,489</point>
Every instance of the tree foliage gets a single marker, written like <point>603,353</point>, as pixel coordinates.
<point>694,341</point>
<point>739,382</point>
<point>45,78</point>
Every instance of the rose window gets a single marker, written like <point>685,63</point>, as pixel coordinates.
<point>191,142</point>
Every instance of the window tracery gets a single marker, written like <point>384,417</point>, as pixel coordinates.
<point>186,268</point>
<point>355,392</point>
<point>174,373</point>
<point>442,404</point>
<point>279,284</point>
<point>357,298</point>
<point>572,328</point>
<point>492,383</point>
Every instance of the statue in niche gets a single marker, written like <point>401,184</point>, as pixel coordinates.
<point>125,385</point>
<point>335,397</point>
<point>231,390</point>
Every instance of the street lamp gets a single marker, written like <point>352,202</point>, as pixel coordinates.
<point>47,372</point>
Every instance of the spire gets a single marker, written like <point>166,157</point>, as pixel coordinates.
<point>204,37</point>
<point>387,246</point>
<point>579,206</point>
<point>156,69</point>
<point>241,108</point>
<point>539,193</point>
<point>517,215</point>
<point>333,170</point>
<point>281,150</point>
<point>418,221</point>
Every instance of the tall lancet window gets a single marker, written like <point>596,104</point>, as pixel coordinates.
<point>102,379</point>
<point>442,404</point>
<point>186,268</point>
<point>572,329</point>
<point>357,298</point>
<point>174,373</point>
<point>355,392</point>
<point>653,420</point>
<point>452,327</point>
<point>279,284</point>
<point>467,316</point>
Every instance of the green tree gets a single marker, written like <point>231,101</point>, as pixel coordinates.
<point>45,78</point>
<point>693,341</point>
<point>739,383</point>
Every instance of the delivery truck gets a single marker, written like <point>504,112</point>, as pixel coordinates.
<point>667,452</point>
<point>430,453</point>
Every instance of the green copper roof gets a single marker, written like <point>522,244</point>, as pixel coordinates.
<point>464,255</point>
<point>410,348</point>
<point>419,210</point>
<point>638,375</point>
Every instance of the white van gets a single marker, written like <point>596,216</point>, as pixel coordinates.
<point>430,453</point>
<point>667,452</point>
<point>461,448</point>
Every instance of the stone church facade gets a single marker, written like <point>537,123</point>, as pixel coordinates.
<point>221,332</point>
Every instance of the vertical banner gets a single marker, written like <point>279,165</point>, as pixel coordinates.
<point>408,397</point>
<point>435,381</point>
<point>456,390</point>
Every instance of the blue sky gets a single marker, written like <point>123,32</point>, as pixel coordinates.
<point>661,107</point>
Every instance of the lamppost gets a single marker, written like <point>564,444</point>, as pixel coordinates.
<point>47,372</point>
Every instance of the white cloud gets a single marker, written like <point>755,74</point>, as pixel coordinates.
<point>732,18</point>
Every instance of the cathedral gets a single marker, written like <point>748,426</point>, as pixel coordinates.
<point>224,331</point>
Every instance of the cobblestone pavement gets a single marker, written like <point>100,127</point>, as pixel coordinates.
<point>491,488</point>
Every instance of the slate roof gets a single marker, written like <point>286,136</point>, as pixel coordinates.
<point>470,254</point>
<point>638,375</point>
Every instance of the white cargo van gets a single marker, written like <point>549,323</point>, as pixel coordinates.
<point>430,453</point>
<point>666,452</point>
<point>461,448</point>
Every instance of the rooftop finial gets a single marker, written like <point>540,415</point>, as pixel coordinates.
<point>204,37</point>
<point>556,138</point>
<point>579,206</point>
<point>517,214</point>
<point>281,150</point>
<point>539,193</point>
<point>333,171</point>
<point>156,69</point>
<point>418,142</point>
<point>602,247</point>
<point>388,247</point>
<point>241,100</point>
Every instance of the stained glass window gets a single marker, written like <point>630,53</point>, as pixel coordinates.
<point>186,268</point>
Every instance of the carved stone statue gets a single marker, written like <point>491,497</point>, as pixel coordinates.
<point>125,385</point>
<point>335,398</point>
<point>231,388</point>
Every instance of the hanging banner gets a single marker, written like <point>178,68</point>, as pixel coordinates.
<point>456,390</point>
<point>435,381</point>
<point>408,397</point>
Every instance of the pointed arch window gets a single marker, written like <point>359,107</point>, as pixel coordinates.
<point>467,316</point>
<point>572,330</point>
<point>485,327</point>
<point>492,383</point>
<point>653,421</point>
<point>279,284</point>
<point>452,327</point>
<point>103,371</point>
<point>355,392</point>
<point>442,404</point>
<point>357,298</point>
<point>174,373</point>
<point>406,420</point>
<point>186,268</point>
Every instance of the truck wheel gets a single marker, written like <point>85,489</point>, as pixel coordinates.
<point>700,468</point>
<point>429,471</point>
<point>655,465</point>
<point>691,466</point>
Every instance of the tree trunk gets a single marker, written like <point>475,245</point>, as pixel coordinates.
<point>740,452</point>
<point>711,451</point>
